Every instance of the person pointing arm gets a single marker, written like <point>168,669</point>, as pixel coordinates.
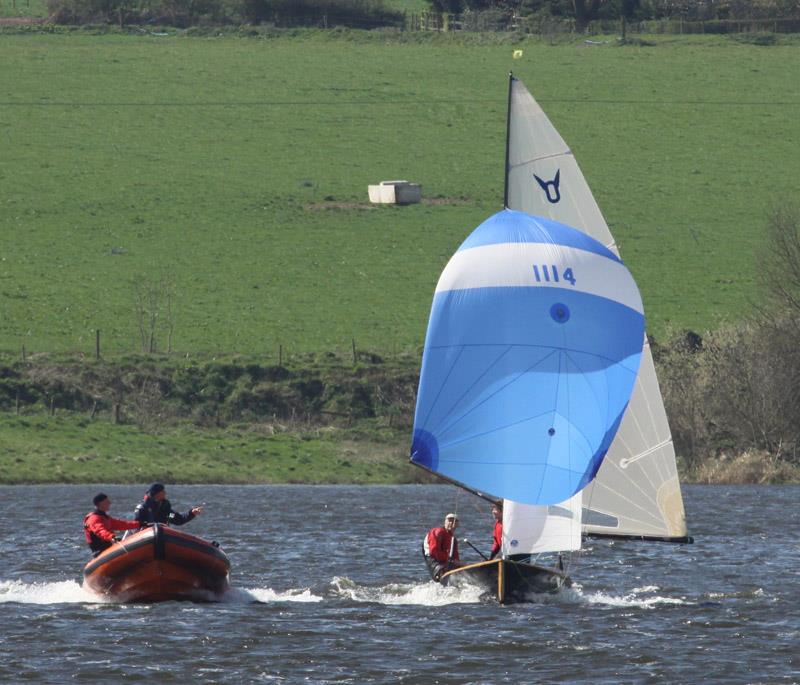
<point>156,508</point>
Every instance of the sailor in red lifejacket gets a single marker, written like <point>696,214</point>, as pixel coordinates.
<point>99,527</point>
<point>497,535</point>
<point>155,508</point>
<point>440,547</point>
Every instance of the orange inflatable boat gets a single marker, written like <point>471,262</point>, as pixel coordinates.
<point>157,564</point>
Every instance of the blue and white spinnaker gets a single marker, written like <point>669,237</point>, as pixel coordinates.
<point>531,354</point>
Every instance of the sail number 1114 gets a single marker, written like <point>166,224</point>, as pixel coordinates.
<point>550,274</point>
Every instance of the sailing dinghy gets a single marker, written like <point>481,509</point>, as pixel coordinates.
<point>532,353</point>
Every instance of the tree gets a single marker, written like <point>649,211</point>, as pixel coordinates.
<point>582,11</point>
<point>586,11</point>
<point>153,300</point>
<point>779,265</point>
<point>626,10</point>
<point>447,6</point>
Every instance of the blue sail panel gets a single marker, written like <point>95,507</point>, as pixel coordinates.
<point>531,354</point>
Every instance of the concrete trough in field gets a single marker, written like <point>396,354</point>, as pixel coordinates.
<point>395,193</point>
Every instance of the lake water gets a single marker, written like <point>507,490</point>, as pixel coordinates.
<point>330,588</point>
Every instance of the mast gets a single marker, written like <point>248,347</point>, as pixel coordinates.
<point>508,140</point>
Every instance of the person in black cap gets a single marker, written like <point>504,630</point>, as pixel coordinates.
<point>99,527</point>
<point>155,508</point>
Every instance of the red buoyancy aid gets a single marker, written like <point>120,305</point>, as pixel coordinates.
<point>99,527</point>
<point>497,538</point>
<point>438,545</point>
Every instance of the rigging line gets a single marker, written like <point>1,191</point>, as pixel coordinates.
<point>452,481</point>
<point>455,511</point>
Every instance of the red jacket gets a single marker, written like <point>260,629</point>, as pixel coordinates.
<point>438,543</point>
<point>497,538</point>
<point>99,528</point>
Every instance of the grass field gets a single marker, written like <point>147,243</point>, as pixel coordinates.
<point>23,8</point>
<point>238,168</point>
<point>408,5</point>
<point>69,448</point>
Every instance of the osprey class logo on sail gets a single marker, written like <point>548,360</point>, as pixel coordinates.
<point>551,188</point>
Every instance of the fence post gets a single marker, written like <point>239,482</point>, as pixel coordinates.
<point>280,355</point>
<point>97,344</point>
<point>354,350</point>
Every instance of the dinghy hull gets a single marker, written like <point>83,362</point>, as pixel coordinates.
<point>509,581</point>
<point>158,564</point>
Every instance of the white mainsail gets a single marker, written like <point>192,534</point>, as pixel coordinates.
<point>636,491</point>
<point>537,528</point>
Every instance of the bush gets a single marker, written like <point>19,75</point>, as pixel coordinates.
<point>739,391</point>
<point>364,14</point>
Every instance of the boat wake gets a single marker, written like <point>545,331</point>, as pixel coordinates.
<point>411,594</point>
<point>641,597</point>
<point>267,595</point>
<point>423,594</point>
<point>72,592</point>
<point>62,592</point>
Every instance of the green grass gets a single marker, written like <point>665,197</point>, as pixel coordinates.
<point>408,5</point>
<point>23,8</point>
<point>69,448</point>
<point>239,166</point>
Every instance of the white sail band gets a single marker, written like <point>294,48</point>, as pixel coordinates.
<point>540,265</point>
<point>624,463</point>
